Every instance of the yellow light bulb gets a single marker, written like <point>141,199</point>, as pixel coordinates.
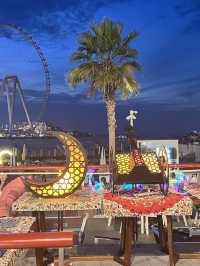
<point>66,176</point>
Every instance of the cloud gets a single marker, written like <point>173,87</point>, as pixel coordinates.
<point>181,82</point>
<point>189,10</point>
<point>76,112</point>
<point>171,95</point>
<point>161,50</point>
<point>35,97</point>
<point>52,18</point>
<point>153,121</point>
<point>167,98</point>
<point>187,7</point>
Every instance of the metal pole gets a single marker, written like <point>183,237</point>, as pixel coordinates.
<point>23,102</point>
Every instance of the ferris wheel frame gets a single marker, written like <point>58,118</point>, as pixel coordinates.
<point>43,61</point>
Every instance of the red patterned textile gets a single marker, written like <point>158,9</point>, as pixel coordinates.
<point>145,205</point>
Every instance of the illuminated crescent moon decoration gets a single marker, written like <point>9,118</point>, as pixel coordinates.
<point>68,180</point>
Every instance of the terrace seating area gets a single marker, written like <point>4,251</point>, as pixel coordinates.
<point>95,234</point>
<point>78,185</point>
<point>146,251</point>
<point>104,226</point>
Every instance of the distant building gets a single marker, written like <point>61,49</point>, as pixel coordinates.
<point>189,153</point>
<point>191,138</point>
<point>23,129</point>
<point>171,146</point>
<point>189,147</point>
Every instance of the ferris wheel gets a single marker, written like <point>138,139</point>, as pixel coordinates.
<point>47,87</point>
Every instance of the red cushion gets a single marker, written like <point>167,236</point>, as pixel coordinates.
<point>11,192</point>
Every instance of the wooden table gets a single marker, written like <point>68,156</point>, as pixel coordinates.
<point>115,207</point>
<point>28,202</point>
<point>173,255</point>
<point>14,225</point>
<point>38,206</point>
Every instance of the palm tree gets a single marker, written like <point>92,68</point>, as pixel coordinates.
<point>106,63</point>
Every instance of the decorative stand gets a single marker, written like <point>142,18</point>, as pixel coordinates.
<point>140,168</point>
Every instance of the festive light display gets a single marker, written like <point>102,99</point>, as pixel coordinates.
<point>151,161</point>
<point>125,162</point>
<point>147,168</point>
<point>71,177</point>
<point>137,157</point>
<point>4,153</point>
<point>181,182</point>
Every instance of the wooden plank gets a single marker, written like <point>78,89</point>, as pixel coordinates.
<point>123,237</point>
<point>91,258</point>
<point>172,255</point>
<point>193,255</point>
<point>161,232</point>
<point>128,241</point>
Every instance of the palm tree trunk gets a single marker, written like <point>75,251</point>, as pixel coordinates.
<point>110,106</point>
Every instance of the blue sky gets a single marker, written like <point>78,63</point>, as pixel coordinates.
<point>168,49</point>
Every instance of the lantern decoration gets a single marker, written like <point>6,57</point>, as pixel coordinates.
<point>68,180</point>
<point>137,156</point>
<point>151,161</point>
<point>123,163</point>
<point>142,168</point>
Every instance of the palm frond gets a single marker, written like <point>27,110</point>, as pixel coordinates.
<point>106,60</point>
<point>81,56</point>
<point>88,42</point>
<point>131,65</point>
<point>131,36</point>
<point>123,53</point>
<point>82,73</point>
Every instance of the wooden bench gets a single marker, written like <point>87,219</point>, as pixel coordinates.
<point>38,240</point>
